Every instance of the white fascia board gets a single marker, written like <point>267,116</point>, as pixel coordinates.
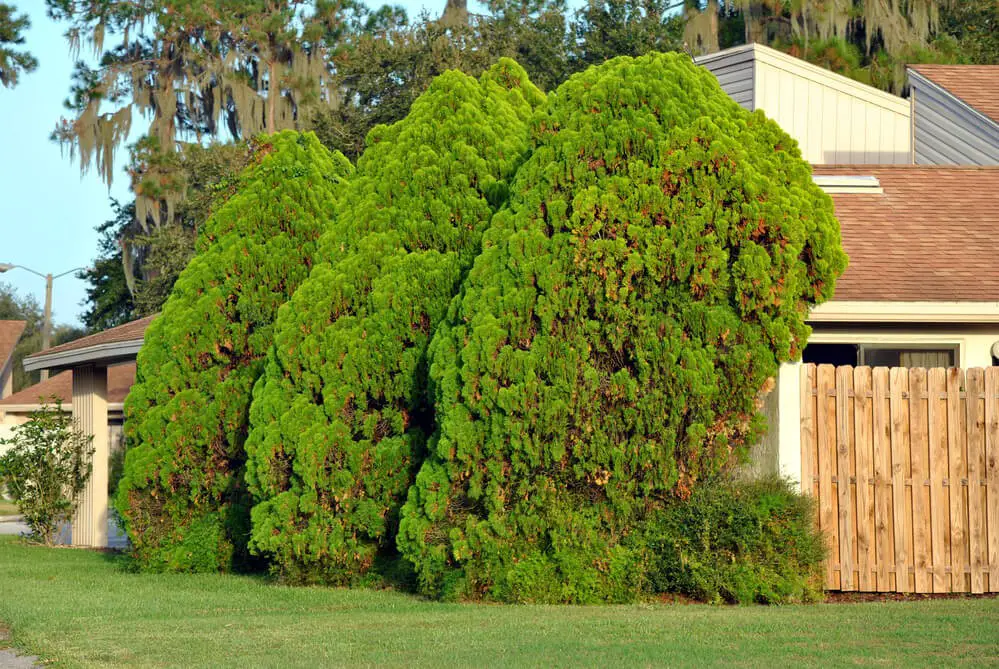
<point>97,354</point>
<point>846,311</point>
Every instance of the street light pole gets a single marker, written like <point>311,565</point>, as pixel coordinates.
<point>47,322</point>
<point>47,317</point>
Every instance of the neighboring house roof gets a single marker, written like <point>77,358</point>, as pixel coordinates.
<point>108,347</point>
<point>10,334</point>
<point>120,380</point>
<point>975,85</point>
<point>930,236</point>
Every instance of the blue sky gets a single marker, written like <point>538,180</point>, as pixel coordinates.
<point>48,211</point>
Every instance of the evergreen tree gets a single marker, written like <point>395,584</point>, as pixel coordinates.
<point>13,63</point>
<point>654,266</point>
<point>340,417</point>
<point>606,29</point>
<point>975,26</point>
<point>182,495</point>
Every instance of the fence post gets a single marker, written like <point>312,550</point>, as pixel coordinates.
<point>789,425</point>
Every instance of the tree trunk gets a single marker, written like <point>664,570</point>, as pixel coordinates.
<point>455,13</point>
<point>272,93</point>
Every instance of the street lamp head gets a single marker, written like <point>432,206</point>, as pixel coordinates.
<point>5,267</point>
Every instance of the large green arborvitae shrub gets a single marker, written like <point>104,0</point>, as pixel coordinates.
<point>609,346</point>
<point>340,417</point>
<point>182,496</point>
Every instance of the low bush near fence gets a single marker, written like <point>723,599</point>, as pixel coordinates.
<point>751,542</point>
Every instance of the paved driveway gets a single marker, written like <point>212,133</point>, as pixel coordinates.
<point>9,526</point>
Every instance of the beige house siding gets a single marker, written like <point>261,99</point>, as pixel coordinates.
<point>835,120</point>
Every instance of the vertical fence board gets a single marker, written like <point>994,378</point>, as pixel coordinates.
<point>898,384</point>
<point>919,454</point>
<point>844,439</point>
<point>904,464</point>
<point>939,501</point>
<point>864,449</point>
<point>992,472</point>
<point>956,438</point>
<point>825,411</point>
<point>975,381</point>
<point>809,465</point>
<point>881,414</point>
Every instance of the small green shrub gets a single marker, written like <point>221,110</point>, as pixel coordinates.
<point>750,542</point>
<point>46,469</point>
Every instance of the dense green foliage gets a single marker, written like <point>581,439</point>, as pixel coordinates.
<point>609,346</point>
<point>182,495</point>
<point>13,62</point>
<point>975,26</point>
<point>46,469</point>
<point>340,418</point>
<point>746,543</point>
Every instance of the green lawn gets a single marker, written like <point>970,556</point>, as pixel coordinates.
<point>78,608</point>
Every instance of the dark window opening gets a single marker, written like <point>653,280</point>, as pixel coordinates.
<point>872,355</point>
<point>908,357</point>
<point>831,354</point>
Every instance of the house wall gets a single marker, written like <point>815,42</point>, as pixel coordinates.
<point>735,71</point>
<point>947,131</point>
<point>11,418</point>
<point>834,119</point>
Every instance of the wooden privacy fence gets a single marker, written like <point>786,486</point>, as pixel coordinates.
<point>904,464</point>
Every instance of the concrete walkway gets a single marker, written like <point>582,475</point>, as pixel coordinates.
<point>10,660</point>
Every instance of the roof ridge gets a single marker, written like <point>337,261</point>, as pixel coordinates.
<point>97,338</point>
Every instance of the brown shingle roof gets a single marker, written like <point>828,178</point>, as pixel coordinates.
<point>133,331</point>
<point>120,380</point>
<point>10,334</point>
<point>975,85</point>
<point>932,235</point>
